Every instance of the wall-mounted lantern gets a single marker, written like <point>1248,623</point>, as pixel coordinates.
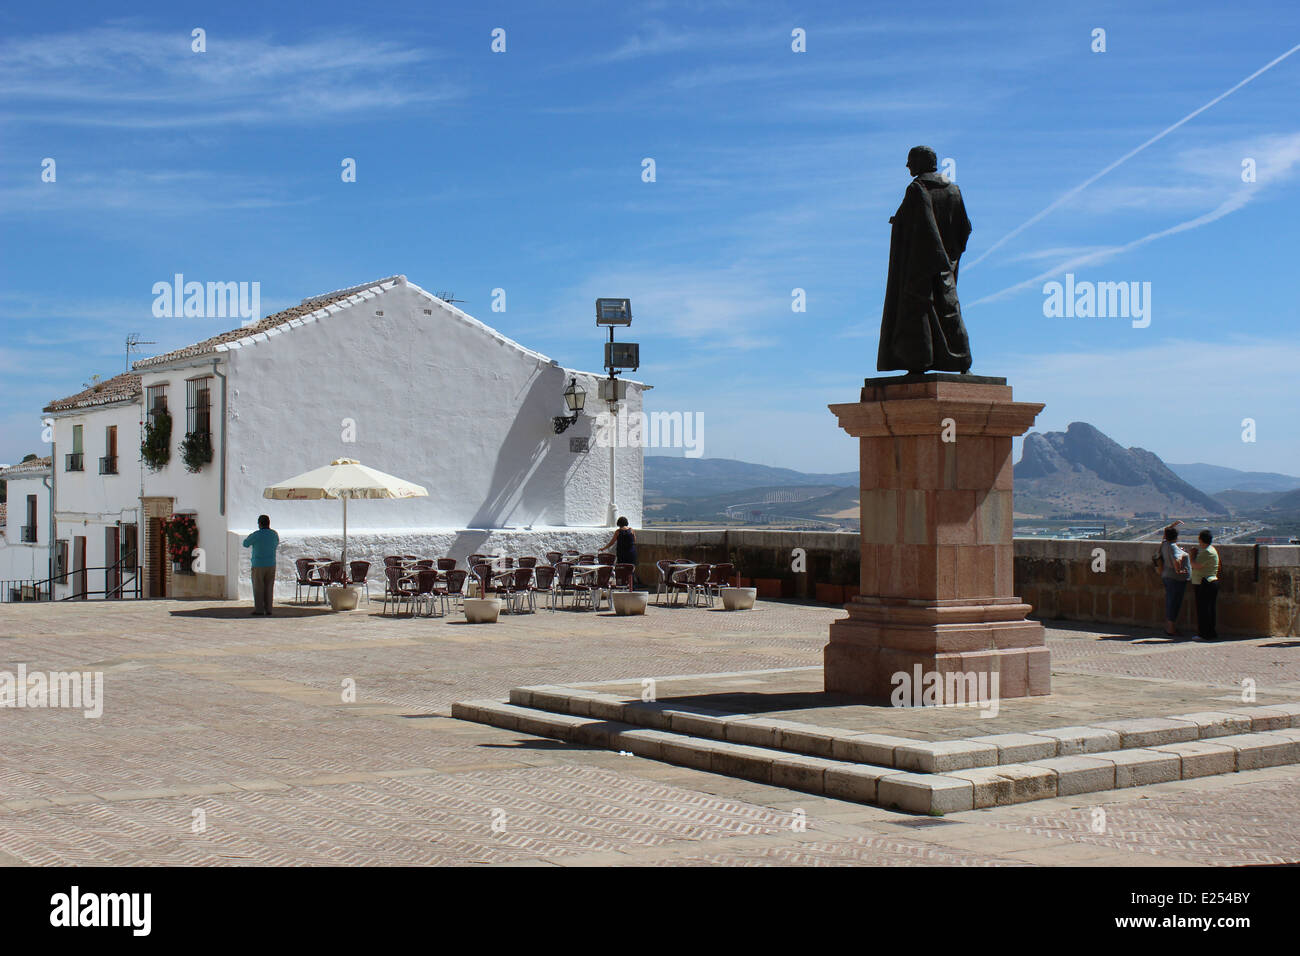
<point>574,398</point>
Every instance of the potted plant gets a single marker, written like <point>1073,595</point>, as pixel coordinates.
<point>196,450</point>
<point>181,533</point>
<point>156,448</point>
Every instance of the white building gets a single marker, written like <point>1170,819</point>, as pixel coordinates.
<point>25,541</point>
<point>404,382</point>
<point>97,476</point>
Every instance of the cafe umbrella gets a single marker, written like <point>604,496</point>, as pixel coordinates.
<point>343,478</point>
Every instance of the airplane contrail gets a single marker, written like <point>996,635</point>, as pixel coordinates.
<point>1066,196</point>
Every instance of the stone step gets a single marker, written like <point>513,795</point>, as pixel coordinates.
<point>907,753</point>
<point>887,786</point>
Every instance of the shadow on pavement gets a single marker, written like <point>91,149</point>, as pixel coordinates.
<point>758,703</point>
<point>245,612</point>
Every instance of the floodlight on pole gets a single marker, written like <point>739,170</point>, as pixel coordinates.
<point>610,313</point>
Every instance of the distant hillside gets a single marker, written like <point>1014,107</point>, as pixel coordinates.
<point>756,504</point>
<point>1249,501</point>
<point>1213,479</point>
<point>1081,470</point>
<point>1078,471</point>
<point>696,477</point>
<point>1287,502</point>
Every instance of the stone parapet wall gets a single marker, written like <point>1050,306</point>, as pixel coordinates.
<point>1259,592</point>
<point>1259,588</point>
<point>764,559</point>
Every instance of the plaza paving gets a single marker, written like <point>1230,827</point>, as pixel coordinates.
<point>245,720</point>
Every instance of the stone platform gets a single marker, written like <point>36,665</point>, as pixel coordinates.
<point>776,727</point>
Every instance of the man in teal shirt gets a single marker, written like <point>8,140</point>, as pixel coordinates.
<point>263,541</point>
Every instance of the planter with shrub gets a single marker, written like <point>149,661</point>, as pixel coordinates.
<point>196,450</point>
<point>181,532</point>
<point>156,449</point>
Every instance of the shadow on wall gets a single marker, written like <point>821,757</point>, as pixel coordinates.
<point>526,482</point>
<point>467,543</point>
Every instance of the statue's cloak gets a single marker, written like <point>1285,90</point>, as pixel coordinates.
<point>922,328</point>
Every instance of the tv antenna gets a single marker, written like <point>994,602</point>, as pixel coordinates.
<point>133,344</point>
<point>448,297</point>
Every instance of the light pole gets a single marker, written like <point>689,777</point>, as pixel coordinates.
<point>618,355</point>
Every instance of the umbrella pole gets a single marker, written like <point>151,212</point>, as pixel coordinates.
<point>345,537</point>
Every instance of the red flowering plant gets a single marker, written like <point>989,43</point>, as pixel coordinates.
<point>182,534</point>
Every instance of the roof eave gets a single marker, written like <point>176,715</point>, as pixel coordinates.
<point>78,409</point>
<point>201,360</point>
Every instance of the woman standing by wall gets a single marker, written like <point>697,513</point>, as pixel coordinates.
<point>1205,582</point>
<point>1174,574</point>
<point>624,544</point>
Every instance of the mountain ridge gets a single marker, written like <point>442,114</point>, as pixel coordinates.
<point>1078,471</point>
<point>1082,470</point>
<point>669,476</point>
<point>1213,479</point>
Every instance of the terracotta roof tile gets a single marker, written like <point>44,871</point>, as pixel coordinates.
<point>306,307</point>
<point>23,469</point>
<point>119,388</point>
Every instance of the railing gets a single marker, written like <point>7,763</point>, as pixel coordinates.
<point>28,589</point>
<point>126,583</point>
<point>108,465</point>
<point>74,461</point>
<point>123,587</point>
<point>27,534</point>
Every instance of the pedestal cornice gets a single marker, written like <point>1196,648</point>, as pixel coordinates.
<point>920,405</point>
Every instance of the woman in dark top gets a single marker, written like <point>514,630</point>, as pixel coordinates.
<point>624,544</point>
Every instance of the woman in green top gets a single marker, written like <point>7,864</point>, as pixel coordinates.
<point>1205,580</point>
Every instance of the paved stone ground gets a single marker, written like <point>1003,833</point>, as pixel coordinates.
<point>239,724</point>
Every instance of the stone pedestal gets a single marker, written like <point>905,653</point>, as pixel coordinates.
<point>936,593</point>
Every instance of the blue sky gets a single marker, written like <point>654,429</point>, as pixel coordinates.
<point>775,170</point>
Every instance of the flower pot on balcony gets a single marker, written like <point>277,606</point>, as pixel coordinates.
<point>343,597</point>
<point>482,610</point>
<point>630,602</point>
<point>738,599</point>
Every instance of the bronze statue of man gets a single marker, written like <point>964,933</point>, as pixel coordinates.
<point>922,329</point>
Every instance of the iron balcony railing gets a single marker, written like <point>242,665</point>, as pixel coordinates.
<point>74,461</point>
<point>28,534</point>
<point>108,465</point>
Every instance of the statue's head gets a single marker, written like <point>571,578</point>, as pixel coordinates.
<point>921,159</point>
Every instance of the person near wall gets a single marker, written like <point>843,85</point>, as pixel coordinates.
<point>264,542</point>
<point>1174,573</point>
<point>624,544</point>
<point>1205,586</point>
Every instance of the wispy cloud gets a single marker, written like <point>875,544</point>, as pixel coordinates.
<point>1277,159</point>
<point>1056,252</point>
<point>735,306</point>
<point>1076,190</point>
<point>120,76</point>
<point>655,38</point>
<point>142,192</point>
<point>1230,205</point>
